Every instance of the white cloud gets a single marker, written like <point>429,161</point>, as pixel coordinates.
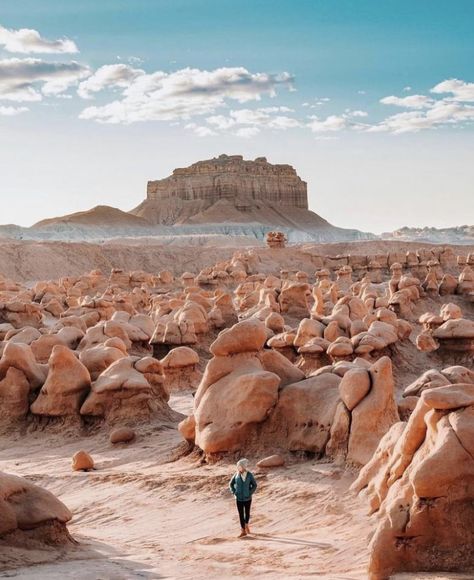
<point>410,102</point>
<point>200,130</point>
<point>441,113</point>
<point>247,132</point>
<point>430,113</point>
<point>221,121</point>
<point>334,123</point>
<point>29,79</point>
<point>185,93</point>
<point>264,117</point>
<point>283,122</point>
<point>356,113</point>
<point>108,76</point>
<point>317,102</point>
<point>12,111</point>
<point>135,60</point>
<point>331,123</point>
<point>406,89</point>
<point>460,90</point>
<point>28,41</point>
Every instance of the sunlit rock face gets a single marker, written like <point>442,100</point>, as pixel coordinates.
<point>229,189</point>
<point>230,176</point>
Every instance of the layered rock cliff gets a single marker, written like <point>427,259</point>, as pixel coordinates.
<point>229,189</point>
<point>224,195</point>
<point>232,177</point>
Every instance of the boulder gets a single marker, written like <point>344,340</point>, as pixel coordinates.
<point>82,461</point>
<point>66,386</point>
<point>354,386</point>
<point>275,322</point>
<point>456,335</point>
<point>98,358</point>
<point>25,507</point>
<point>128,390</point>
<point>293,298</point>
<point>181,369</point>
<point>271,461</point>
<point>373,416</point>
<point>20,375</point>
<point>308,329</point>
<point>122,435</point>
<point>246,336</point>
<point>421,481</point>
<point>236,393</point>
<point>341,347</point>
<point>278,364</point>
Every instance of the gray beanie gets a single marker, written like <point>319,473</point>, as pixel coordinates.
<point>243,463</point>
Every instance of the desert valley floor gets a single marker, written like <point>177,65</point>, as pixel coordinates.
<point>158,507</point>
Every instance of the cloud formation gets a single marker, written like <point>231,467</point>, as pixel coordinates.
<point>430,113</point>
<point>422,112</point>
<point>108,76</point>
<point>334,123</point>
<point>331,123</point>
<point>29,41</point>
<point>204,101</point>
<point>182,94</point>
<point>249,122</point>
<point>460,90</point>
<point>439,114</point>
<point>28,79</point>
<point>411,102</point>
<point>12,111</point>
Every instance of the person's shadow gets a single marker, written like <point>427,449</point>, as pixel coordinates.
<point>296,541</point>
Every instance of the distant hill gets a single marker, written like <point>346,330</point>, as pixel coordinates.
<point>454,235</point>
<point>100,215</point>
<point>227,195</point>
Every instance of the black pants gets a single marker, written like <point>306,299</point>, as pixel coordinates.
<point>244,512</point>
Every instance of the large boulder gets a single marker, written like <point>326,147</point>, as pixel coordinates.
<point>366,412</point>
<point>26,508</point>
<point>293,298</point>
<point>247,336</point>
<point>128,390</point>
<point>376,412</point>
<point>421,482</point>
<point>20,375</point>
<point>235,393</point>
<point>67,385</point>
<point>98,358</point>
<point>181,369</point>
<point>456,334</point>
<point>303,415</point>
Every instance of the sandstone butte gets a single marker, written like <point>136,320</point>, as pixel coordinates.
<point>226,190</point>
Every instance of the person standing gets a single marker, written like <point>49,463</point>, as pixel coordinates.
<point>243,485</point>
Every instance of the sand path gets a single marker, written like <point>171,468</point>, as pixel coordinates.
<point>140,515</point>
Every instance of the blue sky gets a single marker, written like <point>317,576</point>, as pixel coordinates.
<point>372,102</point>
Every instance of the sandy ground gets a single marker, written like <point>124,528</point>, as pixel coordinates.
<point>144,514</point>
<point>28,261</point>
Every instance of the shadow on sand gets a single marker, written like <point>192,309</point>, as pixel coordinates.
<point>296,541</point>
<point>88,559</point>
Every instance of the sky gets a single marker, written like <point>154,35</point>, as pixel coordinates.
<point>372,102</point>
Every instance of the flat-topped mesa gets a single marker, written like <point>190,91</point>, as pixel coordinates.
<point>231,177</point>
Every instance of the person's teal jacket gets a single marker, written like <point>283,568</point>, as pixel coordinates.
<point>243,490</point>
